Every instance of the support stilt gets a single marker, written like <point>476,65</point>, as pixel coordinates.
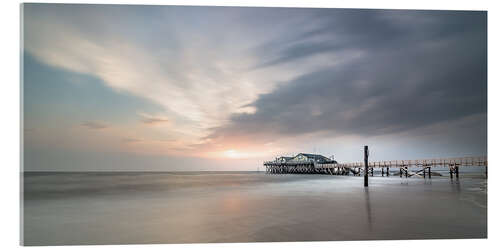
<point>366,166</point>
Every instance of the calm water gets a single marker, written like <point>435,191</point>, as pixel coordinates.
<point>123,208</point>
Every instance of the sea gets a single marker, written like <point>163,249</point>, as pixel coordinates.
<point>97,208</point>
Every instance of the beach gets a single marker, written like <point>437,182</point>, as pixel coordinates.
<point>202,207</point>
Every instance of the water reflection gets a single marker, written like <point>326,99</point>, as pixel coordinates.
<point>428,181</point>
<point>368,208</point>
<point>63,209</point>
<point>455,185</point>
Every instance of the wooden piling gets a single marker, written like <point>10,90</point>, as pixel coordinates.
<point>366,166</point>
<point>456,171</point>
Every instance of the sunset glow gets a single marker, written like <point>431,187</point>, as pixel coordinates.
<point>196,86</point>
<point>232,154</point>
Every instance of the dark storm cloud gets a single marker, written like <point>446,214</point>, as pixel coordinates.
<point>371,30</point>
<point>416,68</point>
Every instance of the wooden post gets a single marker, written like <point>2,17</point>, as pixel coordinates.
<point>400,172</point>
<point>366,166</point>
<point>424,172</point>
<point>451,173</point>
<point>456,171</point>
<point>406,172</point>
<point>430,172</point>
<point>382,172</point>
<point>387,172</point>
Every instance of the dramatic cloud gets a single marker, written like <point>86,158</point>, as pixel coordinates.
<point>255,82</point>
<point>194,67</point>
<point>414,70</point>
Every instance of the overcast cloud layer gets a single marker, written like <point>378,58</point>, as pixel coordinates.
<point>255,82</point>
<point>414,69</point>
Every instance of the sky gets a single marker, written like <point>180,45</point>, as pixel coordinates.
<point>173,88</point>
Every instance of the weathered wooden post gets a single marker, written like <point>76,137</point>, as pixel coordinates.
<point>456,171</point>
<point>451,172</point>
<point>430,172</point>
<point>486,169</point>
<point>387,172</point>
<point>366,166</point>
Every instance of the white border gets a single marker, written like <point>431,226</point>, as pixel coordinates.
<point>10,122</point>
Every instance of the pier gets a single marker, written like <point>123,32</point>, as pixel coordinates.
<point>317,164</point>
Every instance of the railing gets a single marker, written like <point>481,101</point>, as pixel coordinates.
<point>459,161</point>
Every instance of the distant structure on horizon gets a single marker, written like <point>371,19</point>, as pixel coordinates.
<point>301,163</point>
<point>318,164</point>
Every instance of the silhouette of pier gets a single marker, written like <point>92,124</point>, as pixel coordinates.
<point>295,165</point>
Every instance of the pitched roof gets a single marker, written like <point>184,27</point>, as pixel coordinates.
<point>311,155</point>
<point>314,157</point>
<point>317,157</point>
